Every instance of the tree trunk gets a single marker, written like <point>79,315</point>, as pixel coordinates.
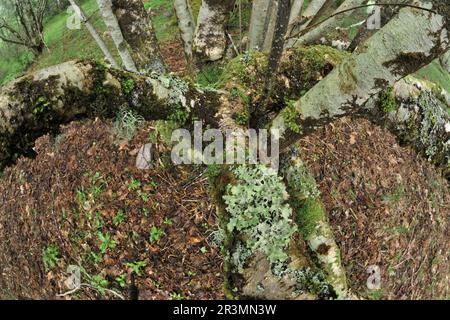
<point>186,25</point>
<point>94,34</point>
<point>137,29</point>
<point>276,51</point>
<point>364,33</point>
<point>270,25</point>
<point>116,34</point>
<point>210,39</point>
<point>297,7</point>
<point>260,12</point>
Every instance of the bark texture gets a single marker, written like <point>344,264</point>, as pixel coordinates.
<point>314,35</point>
<point>137,29</point>
<point>94,34</point>
<point>210,39</point>
<point>270,26</point>
<point>116,34</point>
<point>186,25</point>
<point>40,102</point>
<point>260,12</point>
<point>391,54</point>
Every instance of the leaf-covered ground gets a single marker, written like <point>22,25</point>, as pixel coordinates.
<point>388,207</point>
<point>82,202</point>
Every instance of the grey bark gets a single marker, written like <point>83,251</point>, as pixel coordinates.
<point>384,60</point>
<point>260,12</point>
<point>210,39</point>
<point>116,34</point>
<point>445,61</point>
<point>419,119</point>
<point>94,33</point>
<point>270,25</point>
<point>312,36</point>
<point>186,25</point>
<point>137,29</point>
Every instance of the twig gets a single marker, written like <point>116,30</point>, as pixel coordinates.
<point>118,295</point>
<point>232,43</point>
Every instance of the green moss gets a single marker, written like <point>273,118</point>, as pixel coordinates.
<point>180,116</point>
<point>128,85</point>
<point>309,214</point>
<point>242,118</point>
<point>387,100</point>
<point>244,70</point>
<point>209,76</point>
<point>375,295</point>
<point>213,173</point>
<point>300,69</point>
<point>41,105</point>
<point>291,116</point>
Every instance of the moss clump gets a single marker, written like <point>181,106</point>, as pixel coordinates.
<point>128,85</point>
<point>242,118</point>
<point>291,116</point>
<point>309,214</point>
<point>179,116</point>
<point>300,69</point>
<point>41,105</point>
<point>387,100</point>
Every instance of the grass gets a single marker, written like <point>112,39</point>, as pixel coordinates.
<point>65,44</point>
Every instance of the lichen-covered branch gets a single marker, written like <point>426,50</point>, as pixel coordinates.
<point>445,61</point>
<point>40,102</point>
<point>416,112</point>
<point>313,35</point>
<point>313,221</point>
<point>391,54</point>
<point>260,13</point>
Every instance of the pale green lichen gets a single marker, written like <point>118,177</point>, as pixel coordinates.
<point>258,210</point>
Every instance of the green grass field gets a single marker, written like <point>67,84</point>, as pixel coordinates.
<point>65,44</point>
